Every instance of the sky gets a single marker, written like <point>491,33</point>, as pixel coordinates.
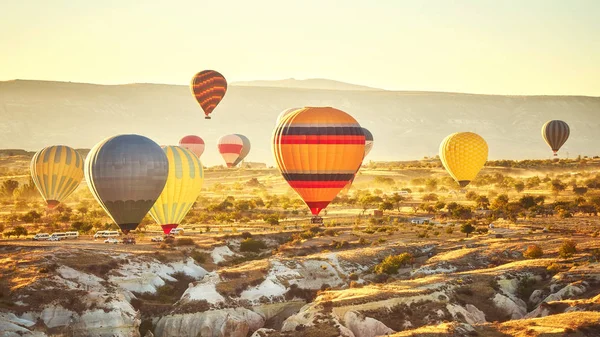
<point>519,47</point>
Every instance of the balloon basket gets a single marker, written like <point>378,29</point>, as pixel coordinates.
<point>207,117</point>
<point>316,220</point>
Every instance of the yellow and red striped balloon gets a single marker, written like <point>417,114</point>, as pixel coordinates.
<point>209,88</point>
<point>318,150</point>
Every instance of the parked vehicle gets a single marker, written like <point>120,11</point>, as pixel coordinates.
<point>41,237</point>
<point>176,231</point>
<point>72,235</point>
<point>57,236</point>
<point>111,240</point>
<point>99,234</point>
<point>157,239</point>
<point>129,241</point>
<point>110,234</point>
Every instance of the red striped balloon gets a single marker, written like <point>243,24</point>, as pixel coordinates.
<point>193,143</point>
<point>233,148</point>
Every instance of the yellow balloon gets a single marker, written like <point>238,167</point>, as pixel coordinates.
<point>463,154</point>
<point>56,172</point>
<point>183,186</point>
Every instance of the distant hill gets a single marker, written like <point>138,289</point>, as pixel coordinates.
<point>313,83</point>
<point>405,125</point>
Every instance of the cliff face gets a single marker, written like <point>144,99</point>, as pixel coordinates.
<point>405,125</point>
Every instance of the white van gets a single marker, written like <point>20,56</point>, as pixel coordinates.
<point>176,231</point>
<point>72,235</point>
<point>99,234</point>
<point>57,236</point>
<point>110,234</point>
<point>41,236</point>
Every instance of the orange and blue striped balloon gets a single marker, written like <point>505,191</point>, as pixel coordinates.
<point>318,150</point>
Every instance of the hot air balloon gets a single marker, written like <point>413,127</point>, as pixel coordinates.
<point>555,134</point>
<point>463,154</point>
<point>318,150</point>
<point>283,114</point>
<point>56,172</point>
<point>368,141</point>
<point>209,87</point>
<point>126,174</point>
<point>368,147</point>
<point>193,143</point>
<point>233,148</point>
<point>181,190</point>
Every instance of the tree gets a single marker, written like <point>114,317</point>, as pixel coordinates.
<point>430,197</point>
<point>20,230</point>
<point>533,182</point>
<point>471,195</point>
<point>386,206</point>
<point>1,227</point>
<point>557,186</point>
<point>500,202</point>
<point>580,190</point>
<point>8,187</point>
<point>397,199</point>
<point>83,210</point>
<point>31,216</point>
<point>519,186</point>
<point>482,202</point>
<point>467,228</point>
<point>431,184</point>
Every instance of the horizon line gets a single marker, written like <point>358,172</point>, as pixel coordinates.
<point>371,89</point>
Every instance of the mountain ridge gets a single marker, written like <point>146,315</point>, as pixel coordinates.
<point>405,125</point>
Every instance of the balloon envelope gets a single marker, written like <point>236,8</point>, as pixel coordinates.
<point>181,190</point>
<point>283,114</point>
<point>193,143</point>
<point>555,133</point>
<point>126,174</point>
<point>56,172</point>
<point>463,154</point>
<point>368,141</point>
<point>318,150</point>
<point>209,88</point>
<point>233,148</point>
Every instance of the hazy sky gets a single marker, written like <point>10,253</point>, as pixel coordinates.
<point>479,46</point>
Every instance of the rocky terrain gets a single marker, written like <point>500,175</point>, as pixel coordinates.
<point>321,286</point>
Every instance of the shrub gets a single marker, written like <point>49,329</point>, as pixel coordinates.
<point>246,235</point>
<point>199,256</point>
<point>184,242</point>
<point>391,264</point>
<point>353,277</point>
<point>533,252</point>
<point>330,232</point>
<point>449,230</point>
<point>252,245</point>
<point>567,249</point>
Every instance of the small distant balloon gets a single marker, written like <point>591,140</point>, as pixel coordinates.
<point>209,88</point>
<point>193,143</point>
<point>555,133</point>
<point>233,148</point>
